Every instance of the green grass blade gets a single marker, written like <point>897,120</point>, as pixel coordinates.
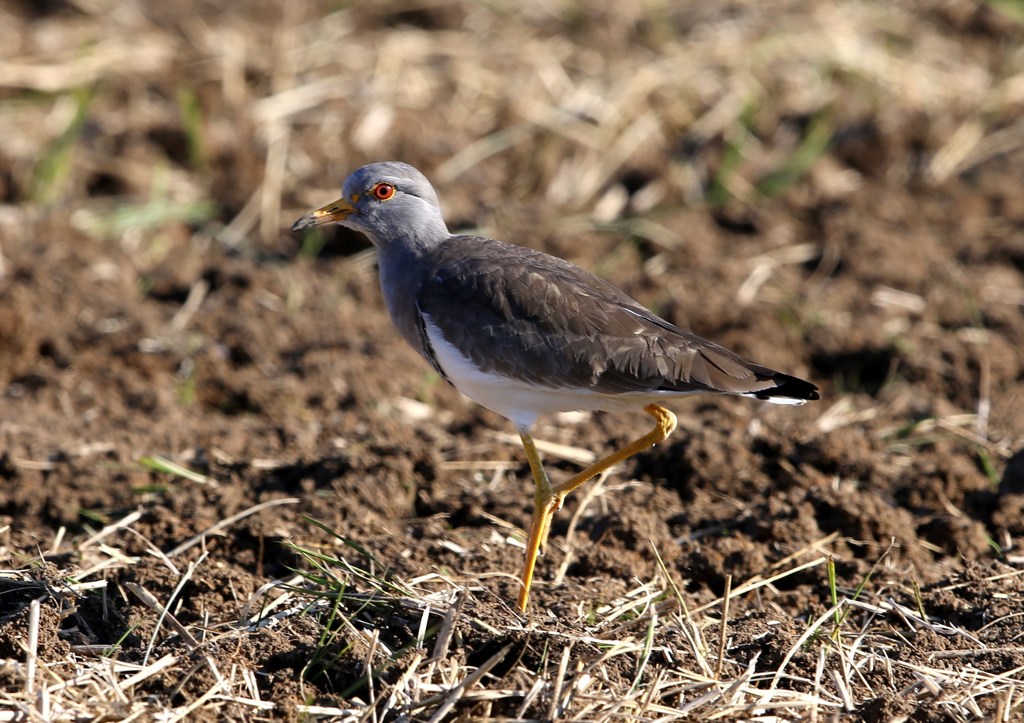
<point>161,464</point>
<point>53,170</point>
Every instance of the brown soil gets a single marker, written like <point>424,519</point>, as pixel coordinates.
<point>284,379</point>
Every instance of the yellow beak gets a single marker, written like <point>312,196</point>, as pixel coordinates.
<point>331,213</point>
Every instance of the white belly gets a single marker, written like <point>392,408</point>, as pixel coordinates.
<point>516,400</point>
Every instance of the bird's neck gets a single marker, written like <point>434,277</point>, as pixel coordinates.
<point>413,250</point>
<point>402,269</point>
<point>401,241</point>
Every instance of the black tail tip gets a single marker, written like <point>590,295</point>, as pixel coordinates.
<point>789,387</point>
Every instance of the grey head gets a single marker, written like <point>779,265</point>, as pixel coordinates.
<point>391,202</point>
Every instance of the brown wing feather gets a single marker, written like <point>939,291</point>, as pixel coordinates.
<point>534,317</point>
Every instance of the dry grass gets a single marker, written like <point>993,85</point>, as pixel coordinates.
<point>335,88</point>
<point>515,103</point>
<point>650,658</point>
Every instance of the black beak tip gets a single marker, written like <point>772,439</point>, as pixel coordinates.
<point>303,223</point>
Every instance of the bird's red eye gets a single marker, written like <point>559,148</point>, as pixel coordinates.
<point>383,191</point>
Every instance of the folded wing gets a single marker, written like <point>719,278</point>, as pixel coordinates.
<point>547,322</point>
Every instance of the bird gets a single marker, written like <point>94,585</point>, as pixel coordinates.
<point>527,334</point>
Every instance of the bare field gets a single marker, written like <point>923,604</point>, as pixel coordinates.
<point>229,491</point>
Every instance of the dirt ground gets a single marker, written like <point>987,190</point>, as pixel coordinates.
<point>861,226</point>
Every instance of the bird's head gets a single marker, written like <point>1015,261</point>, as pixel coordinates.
<point>390,202</point>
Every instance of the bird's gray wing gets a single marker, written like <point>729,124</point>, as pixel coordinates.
<point>539,319</point>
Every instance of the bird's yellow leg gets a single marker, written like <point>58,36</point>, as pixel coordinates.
<point>547,500</point>
<point>545,504</point>
<point>664,424</point>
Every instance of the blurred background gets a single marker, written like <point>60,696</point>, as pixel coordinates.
<point>832,188</point>
<point>233,117</point>
<point>853,166</point>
